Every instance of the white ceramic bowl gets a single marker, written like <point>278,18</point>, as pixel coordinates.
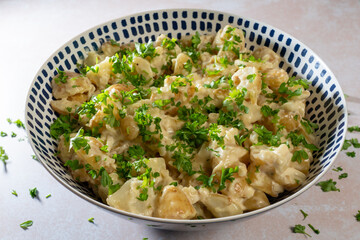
<point>326,105</point>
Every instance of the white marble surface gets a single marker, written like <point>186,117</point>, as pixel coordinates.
<point>32,30</point>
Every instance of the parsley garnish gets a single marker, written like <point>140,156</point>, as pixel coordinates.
<point>3,156</point>
<point>300,155</point>
<point>91,220</point>
<point>251,77</point>
<point>226,174</point>
<point>145,49</point>
<point>300,229</point>
<point>47,196</point>
<point>354,128</point>
<point>308,126</point>
<point>351,154</point>
<point>304,214</point>
<point>169,44</point>
<point>3,134</point>
<point>18,123</point>
<point>357,216</point>
<point>312,228</point>
<point>343,175</point>
<point>106,181</point>
<point>14,193</point>
<point>73,164</point>
<point>33,192</point>
<point>338,169</point>
<point>64,124</point>
<point>188,66</point>
<point>61,77</point>
<point>207,181</point>
<point>13,134</point>
<point>192,134</point>
<point>79,142</point>
<point>348,143</point>
<point>327,186</point>
<point>26,224</point>
<point>266,137</point>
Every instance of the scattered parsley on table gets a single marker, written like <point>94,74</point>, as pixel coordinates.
<point>33,192</point>
<point>91,220</point>
<point>327,186</point>
<point>300,229</point>
<point>26,224</point>
<point>317,231</point>
<point>304,214</point>
<point>14,193</point>
<point>357,216</point>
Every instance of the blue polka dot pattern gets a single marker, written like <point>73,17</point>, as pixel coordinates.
<point>325,106</point>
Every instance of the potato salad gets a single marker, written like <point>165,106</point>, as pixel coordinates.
<point>194,128</point>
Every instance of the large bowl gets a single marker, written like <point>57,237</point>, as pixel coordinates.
<point>326,105</point>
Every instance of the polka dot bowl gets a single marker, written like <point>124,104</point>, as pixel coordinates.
<point>326,105</point>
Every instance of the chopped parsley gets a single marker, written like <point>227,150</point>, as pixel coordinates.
<point>314,230</point>
<point>304,214</point>
<point>327,186</point>
<point>64,124</point>
<point>343,175</point>
<point>79,142</point>
<point>266,137</point>
<point>348,142</point>
<point>13,134</point>
<point>251,77</point>
<point>91,220</point>
<point>73,164</point>
<point>338,169</point>
<point>14,193</point>
<point>351,154</point>
<point>300,229</point>
<point>26,224</point>
<point>226,174</point>
<point>188,66</point>
<point>3,134</point>
<point>145,49</point>
<point>3,156</point>
<point>357,216</point>
<point>61,77</point>
<point>354,129</point>
<point>47,196</point>
<point>18,123</point>
<point>300,155</point>
<point>33,192</point>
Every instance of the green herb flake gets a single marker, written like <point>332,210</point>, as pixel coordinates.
<point>351,154</point>
<point>26,224</point>
<point>354,129</point>
<point>60,77</point>
<point>300,155</point>
<point>79,142</point>
<point>33,192</point>
<point>327,186</point>
<point>226,174</point>
<point>314,230</point>
<point>13,134</point>
<point>47,196</point>
<point>357,216</point>
<point>251,77</point>
<point>14,193</point>
<point>73,164</point>
<point>343,175</point>
<point>3,156</point>
<point>300,229</point>
<point>338,169</point>
<point>3,134</point>
<point>304,214</point>
<point>174,184</point>
<point>91,220</point>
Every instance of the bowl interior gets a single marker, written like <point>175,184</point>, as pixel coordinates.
<point>325,106</point>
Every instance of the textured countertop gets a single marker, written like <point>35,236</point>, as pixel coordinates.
<point>32,30</point>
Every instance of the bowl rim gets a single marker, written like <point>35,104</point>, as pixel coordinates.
<point>188,221</point>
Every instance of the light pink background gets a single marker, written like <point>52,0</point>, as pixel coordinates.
<point>32,30</point>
